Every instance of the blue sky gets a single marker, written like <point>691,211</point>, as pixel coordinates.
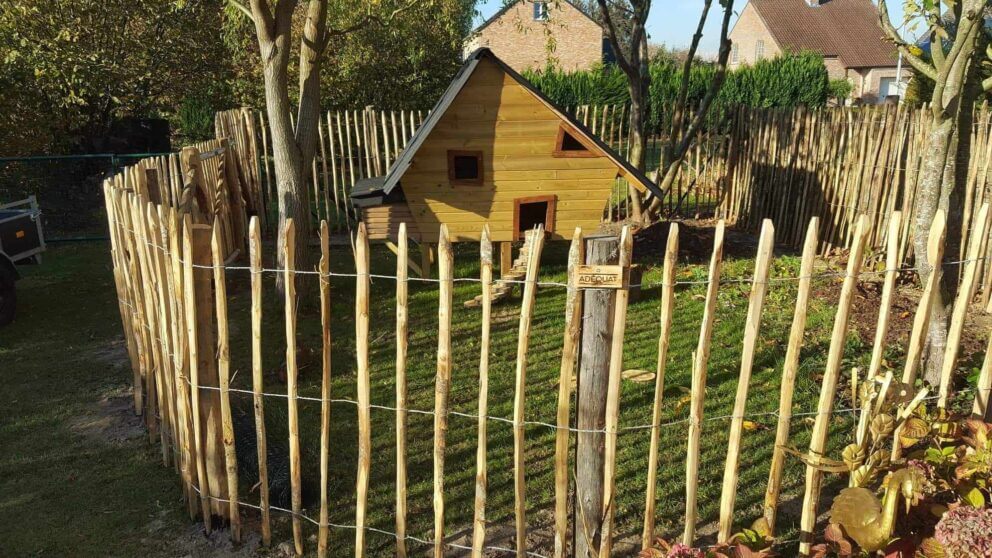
<point>672,22</point>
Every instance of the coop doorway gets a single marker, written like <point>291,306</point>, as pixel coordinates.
<point>531,212</point>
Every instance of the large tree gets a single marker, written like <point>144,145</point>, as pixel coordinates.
<point>69,68</point>
<point>958,40</point>
<point>630,47</point>
<point>293,149</point>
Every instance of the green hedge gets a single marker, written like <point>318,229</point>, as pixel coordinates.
<point>784,81</point>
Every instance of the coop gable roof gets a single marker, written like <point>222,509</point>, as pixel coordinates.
<point>845,29</point>
<point>373,191</point>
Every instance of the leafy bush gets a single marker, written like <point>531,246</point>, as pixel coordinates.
<point>792,79</point>
<point>194,119</point>
<point>839,90</point>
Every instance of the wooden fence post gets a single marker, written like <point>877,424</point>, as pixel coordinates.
<point>593,382</point>
<point>569,354</point>
<point>258,387</point>
<point>520,389</point>
<point>611,424</point>
<point>442,381</point>
<point>362,287</point>
<point>789,371</point>
<point>481,472</point>
<point>667,306</point>
<point>289,282</point>
<point>699,364</point>
<point>325,384</point>
<point>818,439</point>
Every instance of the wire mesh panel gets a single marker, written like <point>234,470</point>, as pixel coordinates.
<point>68,190</point>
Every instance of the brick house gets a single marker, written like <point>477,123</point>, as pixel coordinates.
<point>845,32</point>
<point>528,34</point>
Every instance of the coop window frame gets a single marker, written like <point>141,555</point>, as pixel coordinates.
<point>580,138</point>
<point>759,50</point>
<point>453,179</point>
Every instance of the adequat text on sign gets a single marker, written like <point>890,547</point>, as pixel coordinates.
<point>600,276</point>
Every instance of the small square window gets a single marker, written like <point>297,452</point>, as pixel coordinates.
<point>567,145</point>
<point>540,11</point>
<point>465,167</point>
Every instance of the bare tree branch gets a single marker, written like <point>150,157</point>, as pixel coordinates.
<point>683,96</point>
<point>695,126</point>
<point>611,31</point>
<point>893,35</point>
<point>242,8</point>
<point>264,24</point>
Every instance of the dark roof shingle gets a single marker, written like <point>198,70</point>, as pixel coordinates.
<point>847,29</point>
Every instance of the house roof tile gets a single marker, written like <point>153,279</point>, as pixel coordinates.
<point>846,29</point>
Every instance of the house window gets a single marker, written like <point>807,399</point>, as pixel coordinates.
<point>465,167</point>
<point>735,54</point>
<point>759,50</point>
<point>540,11</point>
<point>568,145</point>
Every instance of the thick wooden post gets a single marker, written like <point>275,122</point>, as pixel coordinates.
<point>593,383</point>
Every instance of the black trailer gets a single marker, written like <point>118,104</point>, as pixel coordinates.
<point>21,241</point>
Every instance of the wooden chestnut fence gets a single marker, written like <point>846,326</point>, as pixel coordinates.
<point>784,164</point>
<point>176,230</point>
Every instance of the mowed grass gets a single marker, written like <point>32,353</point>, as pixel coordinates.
<point>544,360</point>
<point>66,489</point>
<point>51,475</point>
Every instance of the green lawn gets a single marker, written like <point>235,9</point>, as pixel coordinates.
<point>64,490</point>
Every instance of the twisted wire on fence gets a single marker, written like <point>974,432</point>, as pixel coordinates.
<point>494,418</point>
<point>721,281</point>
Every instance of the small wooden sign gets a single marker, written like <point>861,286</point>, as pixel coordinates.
<point>600,276</point>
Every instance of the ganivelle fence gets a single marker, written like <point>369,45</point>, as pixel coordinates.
<point>178,227</point>
<point>751,164</point>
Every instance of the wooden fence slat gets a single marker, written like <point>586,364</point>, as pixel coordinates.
<point>402,325</point>
<point>481,472</point>
<point>818,439</point>
<point>519,391</point>
<point>789,371</point>
<point>665,319</point>
<point>442,381</point>
<point>613,399</point>
<point>362,286</point>
<point>257,371</point>
<point>292,373</point>
<point>194,369</point>
<point>888,289</point>
<point>325,384</point>
<point>569,360</point>
<point>224,371</point>
<point>759,285</point>
<point>698,395</point>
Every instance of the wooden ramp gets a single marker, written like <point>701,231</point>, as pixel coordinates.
<point>502,288</point>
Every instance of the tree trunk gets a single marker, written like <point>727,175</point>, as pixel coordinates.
<point>944,180</point>
<point>638,144</point>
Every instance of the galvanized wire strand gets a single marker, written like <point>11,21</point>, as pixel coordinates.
<point>355,527</point>
<point>504,420</point>
<point>650,284</point>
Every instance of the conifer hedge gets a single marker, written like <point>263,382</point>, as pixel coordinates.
<point>788,80</point>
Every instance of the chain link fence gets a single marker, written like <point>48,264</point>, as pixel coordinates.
<point>68,188</point>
